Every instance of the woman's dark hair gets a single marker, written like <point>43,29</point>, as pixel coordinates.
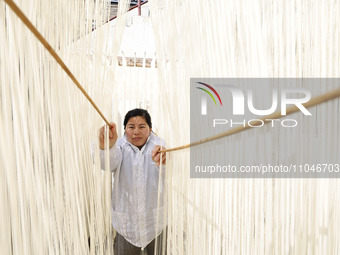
<point>138,112</point>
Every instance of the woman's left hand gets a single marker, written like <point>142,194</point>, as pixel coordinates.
<point>156,155</point>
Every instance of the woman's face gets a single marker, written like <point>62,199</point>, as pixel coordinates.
<point>137,131</point>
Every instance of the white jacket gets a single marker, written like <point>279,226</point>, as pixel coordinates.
<point>134,209</point>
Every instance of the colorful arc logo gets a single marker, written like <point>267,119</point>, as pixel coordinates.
<point>204,100</point>
<point>213,90</point>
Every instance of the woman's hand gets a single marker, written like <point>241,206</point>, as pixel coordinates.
<point>113,136</point>
<point>156,155</point>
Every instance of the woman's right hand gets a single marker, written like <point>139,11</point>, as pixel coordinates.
<point>113,136</point>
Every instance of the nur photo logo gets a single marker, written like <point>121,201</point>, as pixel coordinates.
<point>240,126</point>
<point>243,102</point>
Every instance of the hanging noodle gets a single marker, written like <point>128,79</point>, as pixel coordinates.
<point>54,195</point>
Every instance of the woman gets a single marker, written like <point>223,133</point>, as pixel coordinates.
<point>134,160</point>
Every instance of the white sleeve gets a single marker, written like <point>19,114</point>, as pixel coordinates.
<point>115,158</point>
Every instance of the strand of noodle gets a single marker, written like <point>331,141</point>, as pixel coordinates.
<point>158,198</point>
